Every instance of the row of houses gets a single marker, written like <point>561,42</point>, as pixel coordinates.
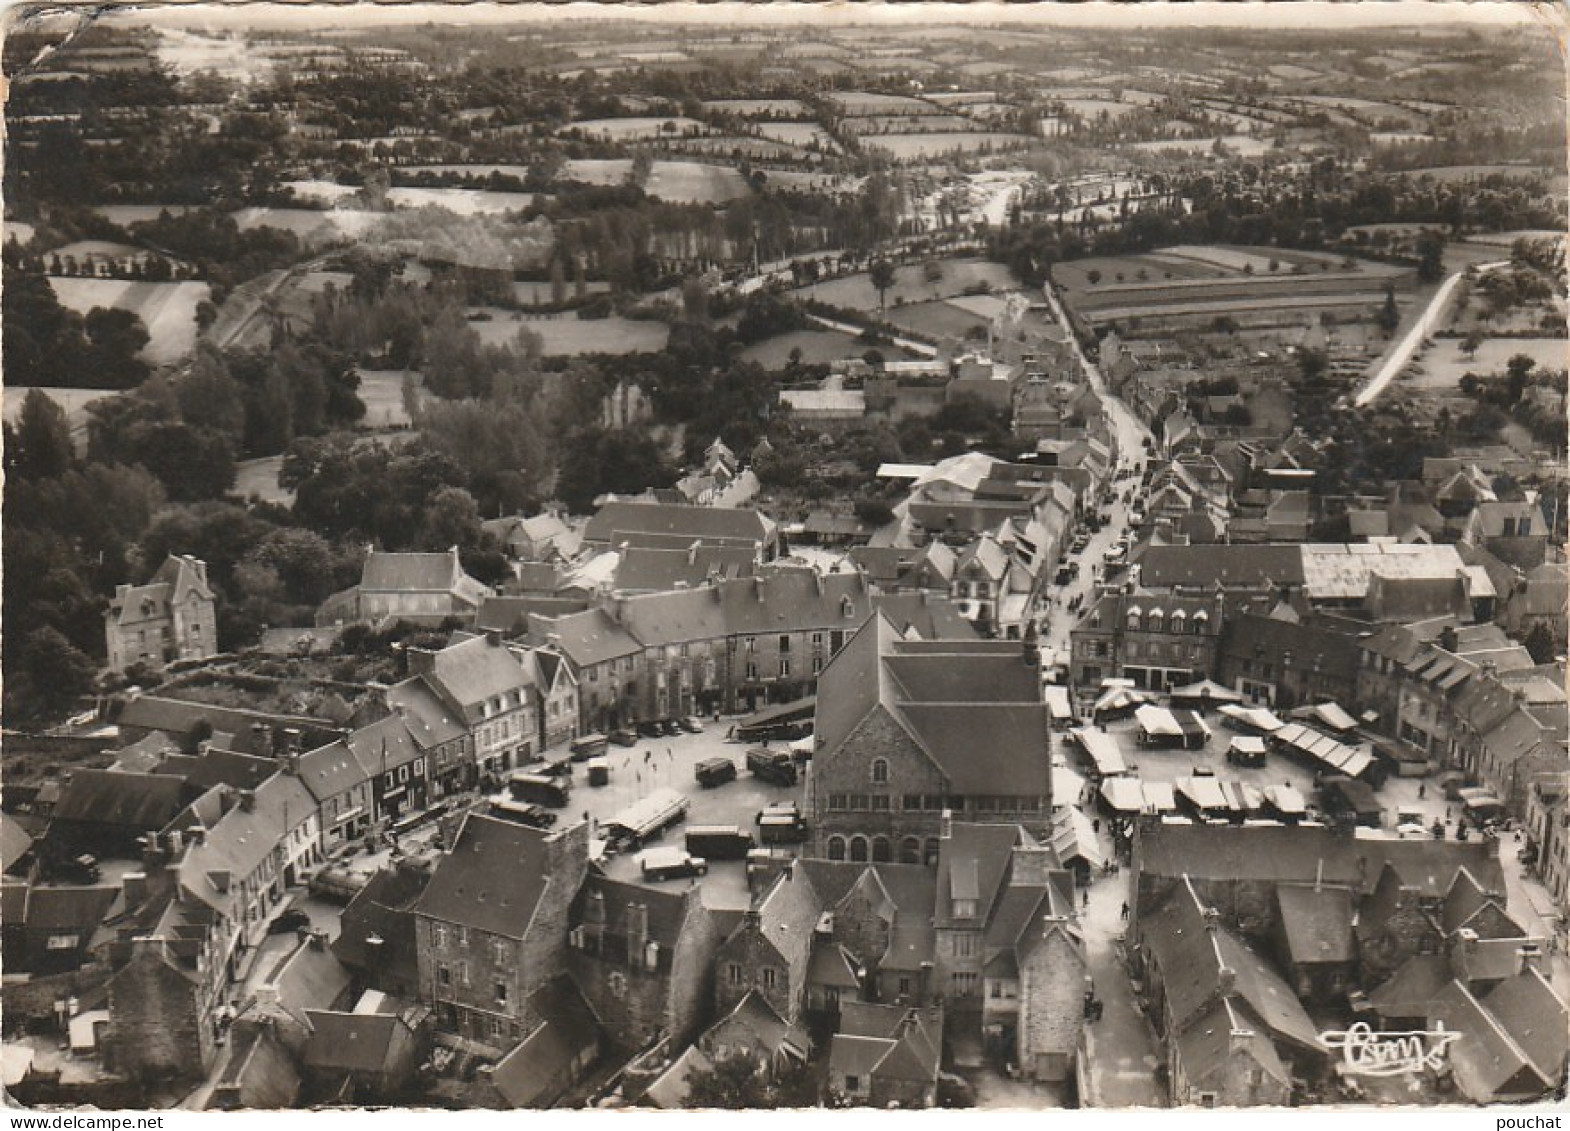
<point>1246,939</point>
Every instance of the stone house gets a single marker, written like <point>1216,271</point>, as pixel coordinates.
<point>344,794</point>
<point>909,729</point>
<point>660,525</point>
<point>643,958</point>
<point>161,1017</point>
<point>398,768</point>
<point>495,697</point>
<point>422,588</point>
<point>770,950</point>
<point>438,732</point>
<point>172,617</point>
<point>1316,946</point>
<point>886,1056</point>
<point>491,926</point>
<point>1160,641</point>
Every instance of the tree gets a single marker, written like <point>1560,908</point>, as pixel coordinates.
<point>1517,372</point>
<point>1470,343</point>
<point>1541,644</point>
<point>40,445</point>
<point>737,1082</point>
<point>558,283</point>
<point>59,673</point>
<point>1389,314</point>
<point>1430,257</point>
<point>881,275</point>
<point>597,461</point>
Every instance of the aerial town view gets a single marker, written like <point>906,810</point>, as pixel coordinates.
<point>659,557</point>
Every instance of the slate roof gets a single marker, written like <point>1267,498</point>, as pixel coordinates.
<point>975,746</point>
<point>430,721</point>
<point>1536,1017</point>
<point>61,909</point>
<point>1487,1063</point>
<point>1464,900</point>
<point>587,638</point>
<point>143,802</point>
<point>309,977</point>
<point>492,879</point>
<point>179,718</point>
<point>930,619</point>
<point>351,1042</point>
<point>225,767</point>
<point>383,909</point>
<point>475,670</point>
<point>708,524</point>
<point>408,572</point>
<point>383,745</point>
<point>1193,951</point>
<point>972,864</point>
<point>527,1076</point>
<point>666,915</point>
<point>641,569</point>
<point>331,770</point>
<point>242,839</point>
<point>1412,988</point>
<point>1317,923</point>
<point>1294,853</point>
<point>1207,1044</point>
<point>15,842</point>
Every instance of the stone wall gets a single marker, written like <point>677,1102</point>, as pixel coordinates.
<point>848,770</point>
<point>1051,1007</point>
<point>156,1028</point>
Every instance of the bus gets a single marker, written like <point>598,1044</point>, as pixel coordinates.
<point>539,789</point>
<point>588,746</point>
<point>719,842</point>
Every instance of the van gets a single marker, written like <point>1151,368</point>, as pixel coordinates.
<point>776,767</point>
<point>599,771</point>
<point>657,864</point>
<point>719,842</point>
<point>714,771</point>
<point>588,746</point>
<point>540,789</point>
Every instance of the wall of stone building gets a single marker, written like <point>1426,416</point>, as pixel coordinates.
<point>692,971</point>
<point>157,1030</point>
<point>848,770</point>
<point>1051,1007</point>
<point>544,950</point>
<point>1385,947</point>
<point>861,929</point>
<point>33,999</point>
<point>748,949</point>
<point>1240,1081</point>
<point>905,1094</point>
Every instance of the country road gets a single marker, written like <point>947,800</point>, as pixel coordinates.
<point>1414,338</point>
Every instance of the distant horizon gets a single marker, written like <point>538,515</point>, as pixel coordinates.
<point>1292,15</point>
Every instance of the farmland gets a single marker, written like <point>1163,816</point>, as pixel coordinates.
<point>918,147</point>
<point>1192,285</point>
<point>1444,363</point>
<point>567,336</point>
<point>818,347</point>
<point>856,292</point>
<point>635,129</point>
<point>680,182</point>
<point>168,310</point>
<point>311,226</point>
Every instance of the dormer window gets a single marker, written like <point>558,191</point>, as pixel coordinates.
<point>880,771</point>
<point>847,607</point>
<point>1155,621</point>
<point>964,909</point>
<point>1135,616</point>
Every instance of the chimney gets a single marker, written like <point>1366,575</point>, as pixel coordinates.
<point>292,739</point>
<point>196,834</point>
<point>493,637</point>
<point>1226,981</point>
<point>1529,956</point>
<point>135,887</point>
<point>946,825</point>
<point>752,920</point>
<point>176,844</point>
<point>248,800</point>
<point>595,912</point>
<point>692,553</point>
<point>763,588</point>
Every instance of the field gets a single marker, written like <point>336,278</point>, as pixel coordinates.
<point>1240,144</point>
<point>1442,363</point>
<point>680,182</point>
<point>311,226</point>
<point>856,102</point>
<point>635,129</point>
<point>568,335</point>
<point>818,347</point>
<point>758,107</point>
<point>519,171</point>
<point>73,402</point>
<point>935,319</point>
<point>1095,107</point>
<point>855,292</point>
<point>915,147</point>
<point>1195,284</point>
<point>168,310</point>
<point>127,214</point>
<point>382,392</point>
<point>464,202</point>
<point>797,133</point>
<point>259,477</point>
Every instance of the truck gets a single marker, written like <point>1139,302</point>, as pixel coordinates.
<point>587,746</point>
<point>644,820</point>
<point>776,767</point>
<point>714,771</point>
<point>719,842</point>
<point>539,789</point>
<point>670,863</point>
<point>781,824</point>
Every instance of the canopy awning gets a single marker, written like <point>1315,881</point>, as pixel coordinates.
<point>1190,724</point>
<point>1247,744</point>
<point>1158,722</point>
<point>1066,785</point>
<point>1286,799</point>
<point>1120,699</point>
<point>1130,795</point>
<point>1206,690</point>
<point>1335,756</point>
<point>1251,718</point>
<point>1330,714</point>
<point>1103,750</point>
<point>1058,706</point>
<point>1073,838</point>
<point>1205,793</point>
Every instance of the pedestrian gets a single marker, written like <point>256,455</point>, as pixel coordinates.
<point>1085,898</point>
<point>647,754</point>
<point>1124,913</point>
<point>1095,826</point>
<point>1422,790</point>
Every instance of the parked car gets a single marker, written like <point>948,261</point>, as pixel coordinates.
<point>599,771</point>
<point>670,727</point>
<point>651,729</point>
<point>623,737</point>
<point>691,724</point>
<point>776,767</point>
<point>714,771</point>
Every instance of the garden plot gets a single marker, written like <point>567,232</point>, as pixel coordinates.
<point>1240,144</point>
<point>168,310</point>
<point>319,192</point>
<point>935,319</point>
<point>382,392</point>
<point>1095,107</point>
